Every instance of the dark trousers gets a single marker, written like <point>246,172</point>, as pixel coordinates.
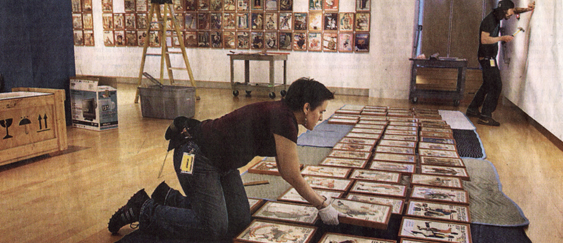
<point>489,92</point>
<point>215,206</point>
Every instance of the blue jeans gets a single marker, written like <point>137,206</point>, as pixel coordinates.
<point>488,94</point>
<point>215,206</point>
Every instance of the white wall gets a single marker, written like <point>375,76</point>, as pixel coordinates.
<point>384,71</point>
<point>533,78</point>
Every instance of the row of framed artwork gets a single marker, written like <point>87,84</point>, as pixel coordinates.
<point>244,40</point>
<point>282,21</point>
<point>218,5</point>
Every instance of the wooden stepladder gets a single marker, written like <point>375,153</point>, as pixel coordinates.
<point>162,18</point>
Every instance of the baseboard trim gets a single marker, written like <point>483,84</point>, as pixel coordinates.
<point>544,131</point>
<point>227,85</point>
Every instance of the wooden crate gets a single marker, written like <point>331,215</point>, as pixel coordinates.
<point>38,124</point>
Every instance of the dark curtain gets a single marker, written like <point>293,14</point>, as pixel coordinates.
<point>36,45</point>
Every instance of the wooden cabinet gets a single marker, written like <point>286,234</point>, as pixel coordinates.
<point>32,123</point>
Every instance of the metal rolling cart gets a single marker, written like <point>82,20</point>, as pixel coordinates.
<point>272,87</point>
<point>457,95</point>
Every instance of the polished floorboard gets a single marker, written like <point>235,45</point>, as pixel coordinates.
<point>70,197</point>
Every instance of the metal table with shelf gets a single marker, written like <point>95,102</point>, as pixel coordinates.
<point>247,86</point>
<point>457,95</point>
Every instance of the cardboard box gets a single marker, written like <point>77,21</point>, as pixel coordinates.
<point>93,106</point>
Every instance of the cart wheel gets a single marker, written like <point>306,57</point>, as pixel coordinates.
<point>272,95</point>
<point>456,102</point>
<point>283,93</point>
<point>414,100</point>
<point>235,93</point>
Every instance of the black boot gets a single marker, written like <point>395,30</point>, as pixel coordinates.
<point>159,194</point>
<point>129,213</point>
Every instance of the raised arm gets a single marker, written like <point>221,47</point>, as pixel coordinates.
<point>487,39</point>
<point>530,7</point>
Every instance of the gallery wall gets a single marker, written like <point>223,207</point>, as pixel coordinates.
<point>383,71</point>
<point>532,65</point>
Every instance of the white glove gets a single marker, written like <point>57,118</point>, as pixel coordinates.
<point>329,215</point>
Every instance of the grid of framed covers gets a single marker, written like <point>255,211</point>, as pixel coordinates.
<point>82,23</point>
<point>394,161</point>
<point>233,24</point>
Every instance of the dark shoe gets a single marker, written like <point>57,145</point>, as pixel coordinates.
<point>472,113</point>
<point>129,213</point>
<point>159,194</point>
<point>489,121</point>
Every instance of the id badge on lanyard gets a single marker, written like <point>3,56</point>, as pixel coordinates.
<point>492,61</point>
<point>187,165</point>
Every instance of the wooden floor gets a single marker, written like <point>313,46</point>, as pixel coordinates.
<point>70,197</point>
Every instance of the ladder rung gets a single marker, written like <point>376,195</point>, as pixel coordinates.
<point>175,52</point>
<point>177,68</point>
<point>154,54</point>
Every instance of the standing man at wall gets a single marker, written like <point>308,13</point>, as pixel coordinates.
<point>489,92</point>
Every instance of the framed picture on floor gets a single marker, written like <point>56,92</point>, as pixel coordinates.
<point>342,121</point>
<point>362,214</point>
<point>402,168</point>
<point>396,204</point>
<point>255,203</point>
<point>394,150</point>
<point>436,134</point>
<point>364,141</point>
<point>326,171</point>
<point>348,163</point>
<point>292,195</point>
<point>453,162</point>
<point>395,143</point>
<point>438,153</point>
<point>328,183</point>
<point>288,212</point>
<point>435,230</point>
<point>363,135</point>
<point>346,154</point>
<point>336,237</point>
<point>402,132</point>
<point>377,188</point>
<point>438,181</point>
<point>380,126</point>
<point>372,175</point>
<point>367,130</point>
<point>444,171</point>
<point>403,128</point>
<point>440,194</point>
<point>432,129</point>
<point>412,138</point>
<point>353,147</point>
<point>261,230</point>
<point>437,140</point>
<point>401,158</point>
<point>442,211</point>
<point>437,146</point>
